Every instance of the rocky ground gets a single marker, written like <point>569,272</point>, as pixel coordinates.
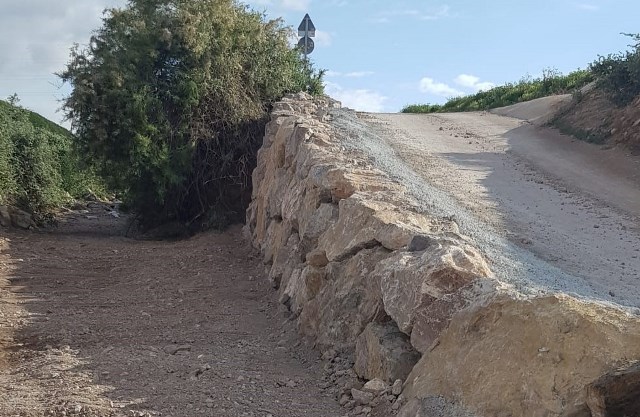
<point>95,324</point>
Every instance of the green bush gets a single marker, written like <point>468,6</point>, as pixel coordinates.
<point>619,74</point>
<point>171,99</point>
<point>39,168</point>
<point>551,82</point>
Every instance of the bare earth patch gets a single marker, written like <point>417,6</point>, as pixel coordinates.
<point>94,324</point>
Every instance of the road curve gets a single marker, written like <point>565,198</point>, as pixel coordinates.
<point>551,213</point>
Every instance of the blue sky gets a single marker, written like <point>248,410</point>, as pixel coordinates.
<point>380,55</point>
<point>383,55</point>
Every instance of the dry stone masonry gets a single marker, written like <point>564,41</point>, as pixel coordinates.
<point>414,302</point>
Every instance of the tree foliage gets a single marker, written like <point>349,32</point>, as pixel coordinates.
<point>170,99</point>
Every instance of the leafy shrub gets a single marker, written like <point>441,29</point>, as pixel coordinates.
<point>551,82</point>
<point>171,98</point>
<point>619,74</point>
<point>39,169</point>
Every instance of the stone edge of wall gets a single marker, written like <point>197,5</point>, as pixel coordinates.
<point>411,298</point>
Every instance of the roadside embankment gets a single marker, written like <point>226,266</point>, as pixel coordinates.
<point>367,272</point>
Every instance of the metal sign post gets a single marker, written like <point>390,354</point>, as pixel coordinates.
<point>306,31</point>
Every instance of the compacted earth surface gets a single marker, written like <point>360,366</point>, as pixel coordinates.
<point>96,324</point>
<point>551,213</point>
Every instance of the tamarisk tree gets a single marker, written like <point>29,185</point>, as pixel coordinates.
<point>170,99</point>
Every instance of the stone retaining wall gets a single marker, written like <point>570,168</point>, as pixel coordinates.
<point>408,296</point>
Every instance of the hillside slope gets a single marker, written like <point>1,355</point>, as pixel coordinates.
<point>35,119</point>
<point>594,118</point>
<point>39,166</point>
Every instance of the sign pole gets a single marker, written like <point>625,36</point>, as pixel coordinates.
<point>306,39</point>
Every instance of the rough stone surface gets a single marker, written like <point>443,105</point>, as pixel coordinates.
<point>317,258</point>
<point>367,274</point>
<point>383,351</point>
<point>11,216</point>
<point>422,292</point>
<point>434,407</point>
<point>501,357</point>
<point>375,386</point>
<point>349,300</point>
<point>361,397</point>
<point>365,222</point>
<point>616,393</point>
<point>5,216</point>
<point>396,389</point>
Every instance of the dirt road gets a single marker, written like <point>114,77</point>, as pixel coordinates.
<point>93,324</point>
<point>550,212</point>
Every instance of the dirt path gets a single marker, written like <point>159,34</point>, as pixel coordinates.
<point>551,213</point>
<point>100,325</point>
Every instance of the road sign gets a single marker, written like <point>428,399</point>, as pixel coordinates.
<point>306,31</point>
<point>307,28</point>
<point>306,45</point>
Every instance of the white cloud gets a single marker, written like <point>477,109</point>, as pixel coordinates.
<point>358,74</point>
<point>420,14</point>
<point>472,82</point>
<point>588,7</point>
<point>357,99</point>
<point>430,86</point>
<point>300,5</point>
<point>323,39</point>
<point>37,36</point>
<point>439,13</point>
<point>353,74</point>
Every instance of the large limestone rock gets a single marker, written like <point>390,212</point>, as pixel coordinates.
<point>349,300</point>
<point>343,183</point>
<point>5,216</point>
<point>423,290</point>
<point>616,393</point>
<point>527,358</point>
<point>316,224</point>
<point>11,216</point>
<point>434,407</point>
<point>301,287</point>
<point>384,352</point>
<point>285,261</point>
<point>365,222</point>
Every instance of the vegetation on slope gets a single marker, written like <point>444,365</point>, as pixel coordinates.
<point>552,82</point>
<point>616,74</point>
<point>609,113</point>
<point>619,74</point>
<point>171,99</point>
<point>39,168</point>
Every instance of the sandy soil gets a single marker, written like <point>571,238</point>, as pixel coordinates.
<point>550,212</point>
<point>93,324</point>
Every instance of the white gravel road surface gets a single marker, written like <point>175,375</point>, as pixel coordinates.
<point>552,214</point>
